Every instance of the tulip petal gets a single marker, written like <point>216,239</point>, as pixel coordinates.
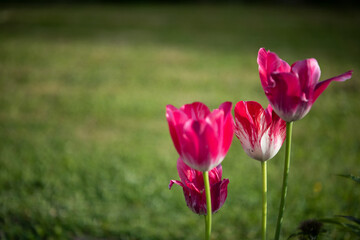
<point>228,127</point>
<point>270,144</point>
<point>186,174</point>
<point>216,119</point>
<point>175,119</point>
<point>278,128</point>
<point>219,194</point>
<point>321,86</point>
<point>196,202</point>
<point>215,174</point>
<point>223,125</point>
<point>308,72</point>
<point>200,145</point>
<point>202,138</point>
<point>195,195</point>
<point>196,110</point>
<point>251,123</point>
<point>292,90</point>
<point>223,191</point>
<point>286,98</point>
<point>269,113</point>
<point>190,177</point>
<point>176,182</point>
<point>270,62</point>
<point>226,108</point>
<point>258,133</point>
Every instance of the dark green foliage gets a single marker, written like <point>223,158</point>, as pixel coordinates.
<point>349,224</point>
<point>309,230</point>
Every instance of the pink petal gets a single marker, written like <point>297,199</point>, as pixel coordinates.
<point>228,127</point>
<point>285,98</point>
<point>215,174</point>
<point>243,125</point>
<point>199,145</point>
<point>195,195</point>
<point>186,174</point>
<point>190,177</point>
<point>308,73</point>
<point>273,138</point>
<point>176,182</point>
<point>256,113</point>
<point>262,60</point>
<point>284,66</point>
<point>269,62</point>
<point>216,119</point>
<point>222,123</point>
<point>260,137</point>
<point>226,108</point>
<point>278,127</point>
<point>269,113</point>
<point>321,86</point>
<point>250,125</point>
<point>196,201</point>
<point>219,194</point>
<point>228,135</point>
<point>196,110</point>
<point>176,120</point>
<point>223,191</point>
<point>218,171</point>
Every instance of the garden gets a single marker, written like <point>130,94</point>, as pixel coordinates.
<point>85,148</point>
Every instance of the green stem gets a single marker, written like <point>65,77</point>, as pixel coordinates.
<point>264,199</point>
<point>289,126</point>
<point>208,206</point>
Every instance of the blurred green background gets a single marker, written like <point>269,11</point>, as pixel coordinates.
<point>85,151</point>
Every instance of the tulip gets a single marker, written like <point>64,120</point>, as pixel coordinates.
<point>201,137</point>
<point>193,187</point>
<point>260,131</point>
<point>292,90</point>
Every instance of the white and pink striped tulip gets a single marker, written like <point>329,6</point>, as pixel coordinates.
<point>260,131</point>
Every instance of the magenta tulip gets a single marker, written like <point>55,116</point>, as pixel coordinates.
<point>260,131</point>
<point>292,90</point>
<point>192,182</point>
<point>202,138</point>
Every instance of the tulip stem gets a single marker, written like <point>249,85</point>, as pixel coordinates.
<point>264,199</point>
<point>208,206</point>
<point>289,126</point>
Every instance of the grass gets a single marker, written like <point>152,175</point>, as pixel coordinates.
<point>85,151</point>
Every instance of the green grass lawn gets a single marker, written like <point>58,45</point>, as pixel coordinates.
<point>85,151</point>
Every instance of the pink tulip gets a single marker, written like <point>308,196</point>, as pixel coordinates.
<point>202,138</point>
<point>293,90</point>
<point>192,182</point>
<point>261,132</point>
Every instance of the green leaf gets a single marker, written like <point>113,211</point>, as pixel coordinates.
<point>350,218</point>
<point>352,228</point>
<point>350,176</point>
<point>341,221</point>
<point>294,235</point>
<point>331,221</point>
